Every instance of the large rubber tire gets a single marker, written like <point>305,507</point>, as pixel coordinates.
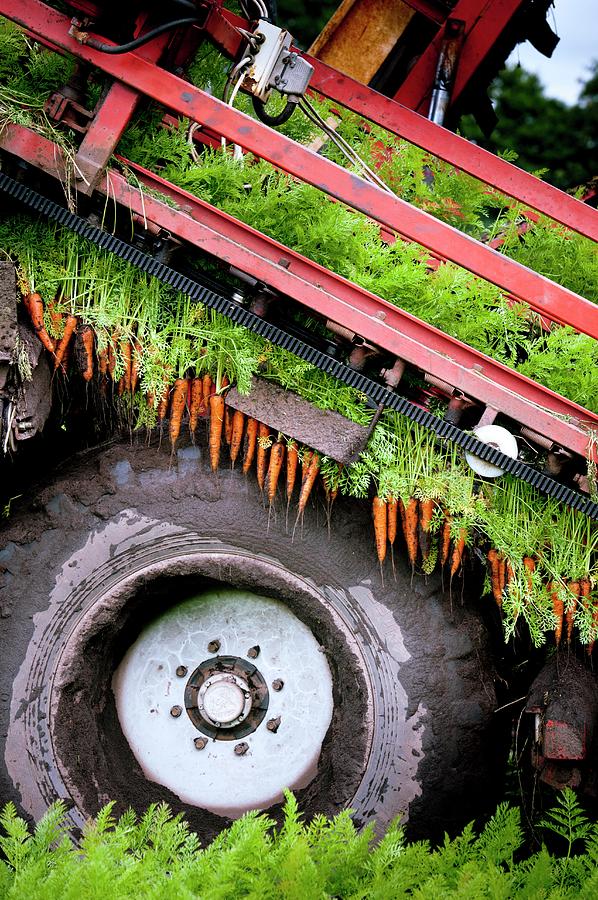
<point>118,535</point>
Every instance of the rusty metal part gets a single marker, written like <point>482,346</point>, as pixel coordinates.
<point>175,711</point>
<point>181,671</point>
<point>200,743</point>
<point>273,724</point>
<point>214,646</point>
<point>327,432</point>
<point>564,702</point>
<point>277,684</point>
<point>253,652</point>
<point>360,35</point>
<point>241,749</point>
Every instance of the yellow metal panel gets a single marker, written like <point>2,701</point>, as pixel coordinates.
<point>360,35</point>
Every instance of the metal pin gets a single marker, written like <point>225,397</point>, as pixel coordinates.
<point>277,684</point>
<point>200,743</point>
<point>214,646</point>
<point>273,724</point>
<point>181,671</point>
<point>175,711</point>
<point>241,749</point>
<point>253,652</point>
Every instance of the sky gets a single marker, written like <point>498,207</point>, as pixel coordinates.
<point>576,22</point>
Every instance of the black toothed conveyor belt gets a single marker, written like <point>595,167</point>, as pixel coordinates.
<point>241,316</point>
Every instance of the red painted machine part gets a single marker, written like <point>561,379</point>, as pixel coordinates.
<point>541,294</point>
<point>331,296</point>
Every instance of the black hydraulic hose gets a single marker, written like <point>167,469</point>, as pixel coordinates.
<point>142,39</point>
<point>282,117</point>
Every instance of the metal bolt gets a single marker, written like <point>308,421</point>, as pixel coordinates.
<point>181,671</point>
<point>277,684</point>
<point>175,711</point>
<point>200,743</point>
<point>214,646</point>
<point>253,652</point>
<point>273,724</point>
<point>241,749</point>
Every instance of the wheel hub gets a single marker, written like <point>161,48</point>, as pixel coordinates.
<point>226,697</point>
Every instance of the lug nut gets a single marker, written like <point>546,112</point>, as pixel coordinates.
<point>253,652</point>
<point>175,711</point>
<point>277,684</point>
<point>181,671</point>
<point>200,743</point>
<point>214,646</point>
<point>273,724</point>
<point>241,749</point>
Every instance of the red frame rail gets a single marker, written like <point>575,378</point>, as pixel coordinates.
<point>172,92</point>
<point>330,295</point>
<point>414,128</point>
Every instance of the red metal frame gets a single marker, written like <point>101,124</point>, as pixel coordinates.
<point>485,21</point>
<point>330,295</point>
<point>475,161</point>
<point>542,295</point>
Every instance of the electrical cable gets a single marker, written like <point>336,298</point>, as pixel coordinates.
<point>141,40</point>
<point>343,145</point>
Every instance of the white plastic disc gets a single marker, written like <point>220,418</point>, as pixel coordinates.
<point>146,688</point>
<point>497,437</point>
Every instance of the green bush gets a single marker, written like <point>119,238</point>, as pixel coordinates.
<point>158,856</point>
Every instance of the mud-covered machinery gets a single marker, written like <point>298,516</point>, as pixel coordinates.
<point>417,64</point>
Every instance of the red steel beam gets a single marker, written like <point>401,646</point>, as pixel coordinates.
<point>331,296</point>
<point>469,158</point>
<point>543,295</point>
<point>485,22</point>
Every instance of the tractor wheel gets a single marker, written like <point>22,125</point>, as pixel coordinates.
<point>167,636</point>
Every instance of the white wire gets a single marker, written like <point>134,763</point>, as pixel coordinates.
<point>238,150</point>
<point>342,145</point>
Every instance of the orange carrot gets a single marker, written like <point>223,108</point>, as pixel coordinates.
<point>426,510</point>
<point>250,444</point>
<point>34,305</point>
<point>380,515</point>
<point>237,435</point>
<point>195,403</point>
<point>111,356</point>
<point>495,564</point>
<point>392,509</point>
<point>216,423</point>
<point>55,316</point>
<point>103,361</point>
<point>309,481</point>
<point>411,530</point>
<point>458,548</point>
<point>276,458</point>
<point>69,327</point>
<point>85,332</point>
<point>575,588</point>
<point>207,387</point>
<point>125,381</point>
<point>529,564</point>
<point>558,608</point>
<point>305,463</point>
<point>163,401</point>
<point>177,407</point>
<point>445,541</point>
<point>263,443</point>
<point>228,424</point>
<point>403,516</point>
<point>292,461</point>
